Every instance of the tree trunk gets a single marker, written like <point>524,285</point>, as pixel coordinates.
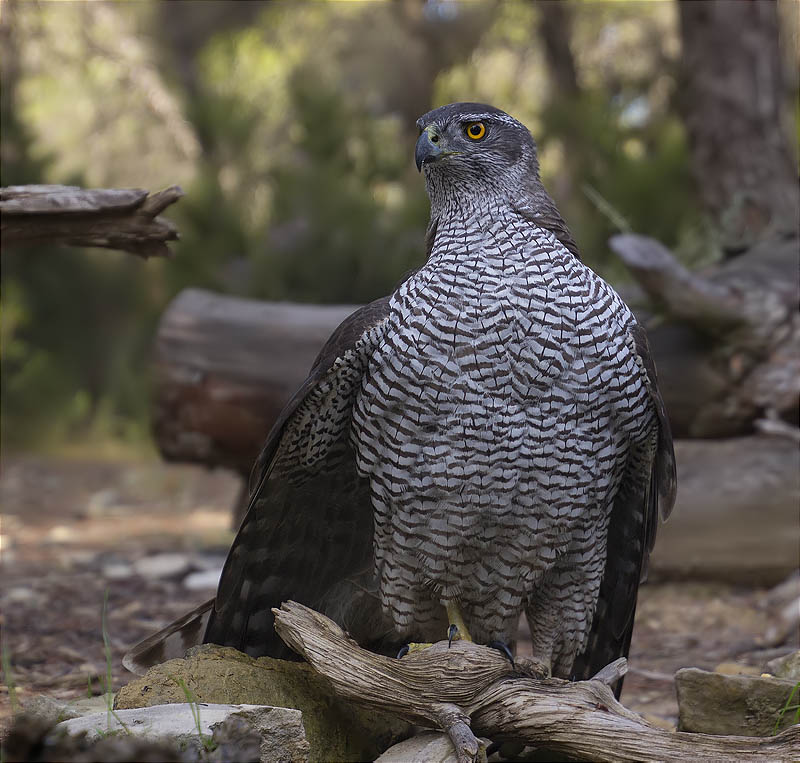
<point>732,101</point>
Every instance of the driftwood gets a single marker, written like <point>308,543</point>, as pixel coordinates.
<point>470,690</point>
<point>224,369</point>
<point>728,353</point>
<point>124,219</point>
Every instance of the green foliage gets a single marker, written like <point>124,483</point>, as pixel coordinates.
<point>641,170</point>
<point>791,705</point>
<point>208,743</point>
<point>291,131</point>
<point>345,223</point>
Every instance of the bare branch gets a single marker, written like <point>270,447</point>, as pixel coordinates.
<point>124,219</point>
<point>683,294</point>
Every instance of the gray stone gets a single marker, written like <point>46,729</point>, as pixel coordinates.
<point>106,503</point>
<point>712,703</point>
<point>428,747</point>
<point>57,710</point>
<point>787,667</point>
<point>22,594</point>
<point>117,571</point>
<point>203,580</point>
<point>335,729</point>
<point>162,566</point>
<point>280,729</point>
<point>49,709</point>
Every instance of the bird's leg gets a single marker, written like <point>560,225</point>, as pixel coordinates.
<point>458,629</point>
<point>456,632</point>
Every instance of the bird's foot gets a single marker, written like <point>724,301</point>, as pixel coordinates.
<point>412,647</point>
<point>502,647</point>
<point>458,628</point>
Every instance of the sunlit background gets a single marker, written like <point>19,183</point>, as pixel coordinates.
<point>291,126</point>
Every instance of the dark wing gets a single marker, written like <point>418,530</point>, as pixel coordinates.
<point>307,534</point>
<point>648,486</point>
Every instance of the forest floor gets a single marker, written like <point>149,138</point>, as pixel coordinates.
<point>151,537</point>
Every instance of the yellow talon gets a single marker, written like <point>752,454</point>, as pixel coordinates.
<point>418,647</point>
<point>455,618</point>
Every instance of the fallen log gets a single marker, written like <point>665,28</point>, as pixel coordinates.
<point>224,369</point>
<point>125,219</point>
<point>470,690</point>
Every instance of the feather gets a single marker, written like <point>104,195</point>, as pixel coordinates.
<point>648,488</point>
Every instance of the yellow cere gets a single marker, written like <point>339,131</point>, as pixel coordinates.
<point>476,130</point>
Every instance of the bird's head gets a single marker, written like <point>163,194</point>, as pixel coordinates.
<point>470,150</point>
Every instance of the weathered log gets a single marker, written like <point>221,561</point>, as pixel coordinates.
<point>470,690</point>
<point>728,354</point>
<point>125,219</point>
<point>225,367</point>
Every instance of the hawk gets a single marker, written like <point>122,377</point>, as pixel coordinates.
<point>486,441</point>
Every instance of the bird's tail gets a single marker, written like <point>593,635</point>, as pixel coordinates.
<point>170,642</point>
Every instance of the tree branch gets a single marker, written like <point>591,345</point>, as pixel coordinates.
<point>124,219</point>
<point>684,295</point>
<point>471,691</point>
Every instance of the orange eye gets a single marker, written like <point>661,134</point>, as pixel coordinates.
<point>476,130</point>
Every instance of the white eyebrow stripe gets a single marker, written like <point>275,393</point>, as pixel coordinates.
<point>504,118</point>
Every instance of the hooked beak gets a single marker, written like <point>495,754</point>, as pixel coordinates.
<point>429,147</point>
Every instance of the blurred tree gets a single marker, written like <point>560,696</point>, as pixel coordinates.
<point>732,101</point>
<point>290,126</point>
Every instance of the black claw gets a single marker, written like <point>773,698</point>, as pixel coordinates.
<point>501,646</point>
<point>403,652</point>
<point>451,634</point>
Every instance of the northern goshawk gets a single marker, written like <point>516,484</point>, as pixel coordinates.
<point>487,440</point>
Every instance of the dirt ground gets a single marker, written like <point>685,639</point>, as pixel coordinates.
<point>151,535</point>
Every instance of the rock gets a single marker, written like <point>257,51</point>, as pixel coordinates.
<point>280,732</point>
<point>22,594</point>
<point>786,667</point>
<point>203,580</point>
<point>61,534</point>
<point>740,526</point>
<point>208,561</point>
<point>106,503</point>
<point>162,566</point>
<point>117,571</point>
<point>31,739</point>
<point>735,669</point>
<point>335,729</point>
<point>49,709</point>
<point>56,710</point>
<point>428,747</point>
<point>712,703</point>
